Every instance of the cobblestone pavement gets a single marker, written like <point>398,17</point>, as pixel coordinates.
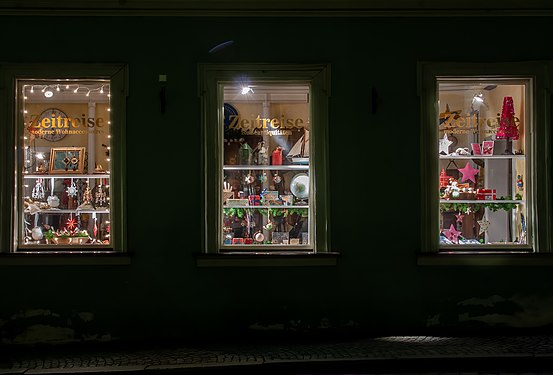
<point>382,355</point>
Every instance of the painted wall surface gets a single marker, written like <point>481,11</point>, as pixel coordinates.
<point>376,287</point>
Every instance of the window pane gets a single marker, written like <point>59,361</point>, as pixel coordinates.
<point>483,162</point>
<point>64,164</point>
<point>266,171</point>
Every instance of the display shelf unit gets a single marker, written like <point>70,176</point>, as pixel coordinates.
<point>285,167</point>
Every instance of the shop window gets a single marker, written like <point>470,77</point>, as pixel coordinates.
<point>67,131</point>
<point>265,159</point>
<point>484,136</point>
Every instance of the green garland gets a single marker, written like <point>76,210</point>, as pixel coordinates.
<point>495,206</point>
<point>273,211</point>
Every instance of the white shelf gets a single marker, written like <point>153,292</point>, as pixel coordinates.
<point>447,157</point>
<point>271,206</point>
<point>75,211</point>
<point>286,167</point>
<point>44,176</point>
<point>446,201</point>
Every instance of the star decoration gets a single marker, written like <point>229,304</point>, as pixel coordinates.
<point>484,225</point>
<point>444,144</point>
<point>468,173</point>
<point>459,217</point>
<point>444,116</point>
<point>71,223</point>
<point>452,234</point>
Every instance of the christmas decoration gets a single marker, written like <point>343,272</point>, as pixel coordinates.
<point>484,225</point>
<point>444,145</point>
<point>507,127</point>
<point>38,190</point>
<point>520,183</point>
<point>452,234</point>
<point>71,223</point>
<point>72,189</point>
<point>468,173</point>
<point>459,217</point>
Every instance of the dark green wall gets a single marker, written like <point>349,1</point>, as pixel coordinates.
<point>376,287</point>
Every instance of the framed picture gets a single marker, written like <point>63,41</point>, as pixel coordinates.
<point>66,160</point>
<point>487,148</point>
<point>476,150</point>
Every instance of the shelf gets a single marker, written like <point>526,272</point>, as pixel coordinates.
<point>34,176</point>
<point>286,167</point>
<point>75,211</point>
<point>482,157</point>
<point>447,201</point>
<point>271,206</point>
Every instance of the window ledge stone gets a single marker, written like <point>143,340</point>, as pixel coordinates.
<point>503,259</point>
<point>267,259</point>
<point>62,259</point>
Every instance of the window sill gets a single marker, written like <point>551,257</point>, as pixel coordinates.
<point>267,260</point>
<point>67,259</point>
<point>485,259</point>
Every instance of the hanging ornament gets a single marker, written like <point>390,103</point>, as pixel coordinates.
<point>263,177</point>
<point>277,179</point>
<point>100,196</point>
<point>520,183</point>
<point>484,225</point>
<point>459,217</point>
<point>249,179</point>
<point>38,190</point>
<point>468,173</point>
<point>71,223</point>
<point>72,189</point>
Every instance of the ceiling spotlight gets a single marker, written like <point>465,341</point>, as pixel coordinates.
<point>246,89</point>
<point>48,93</point>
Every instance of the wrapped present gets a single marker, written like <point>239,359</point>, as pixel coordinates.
<point>237,241</point>
<point>270,195</point>
<point>248,241</point>
<point>254,200</point>
<point>485,194</point>
<point>237,202</point>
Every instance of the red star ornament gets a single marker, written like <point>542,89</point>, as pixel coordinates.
<point>71,223</point>
<point>468,173</point>
<point>459,217</point>
<point>452,234</point>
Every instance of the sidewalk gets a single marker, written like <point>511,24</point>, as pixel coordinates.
<point>382,355</point>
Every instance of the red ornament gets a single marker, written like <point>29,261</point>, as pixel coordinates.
<point>507,126</point>
<point>71,223</point>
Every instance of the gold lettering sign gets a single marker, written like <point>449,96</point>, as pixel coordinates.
<point>266,126</point>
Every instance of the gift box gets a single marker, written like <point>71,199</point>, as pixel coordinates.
<point>270,196</point>
<point>254,200</point>
<point>248,241</point>
<point>237,241</point>
<point>485,194</point>
<point>237,202</point>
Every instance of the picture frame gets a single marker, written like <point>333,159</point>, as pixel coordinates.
<point>487,147</point>
<point>476,149</point>
<point>67,160</point>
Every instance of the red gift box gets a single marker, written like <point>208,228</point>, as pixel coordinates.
<point>485,194</point>
<point>237,241</point>
<point>248,241</point>
<point>254,200</point>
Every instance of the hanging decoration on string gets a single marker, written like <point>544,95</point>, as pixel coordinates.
<point>468,173</point>
<point>484,225</point>
<point>38,190</point>
<point>72,189</point>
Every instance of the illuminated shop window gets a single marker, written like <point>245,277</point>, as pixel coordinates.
<point>485,153</point>
<point>263,139</point>
<point>65,165</point>
<point>483,162</point>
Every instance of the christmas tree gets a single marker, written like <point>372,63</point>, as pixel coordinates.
<point>507,127</point>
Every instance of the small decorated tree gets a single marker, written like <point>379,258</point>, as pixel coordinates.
<point>507,127</point>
